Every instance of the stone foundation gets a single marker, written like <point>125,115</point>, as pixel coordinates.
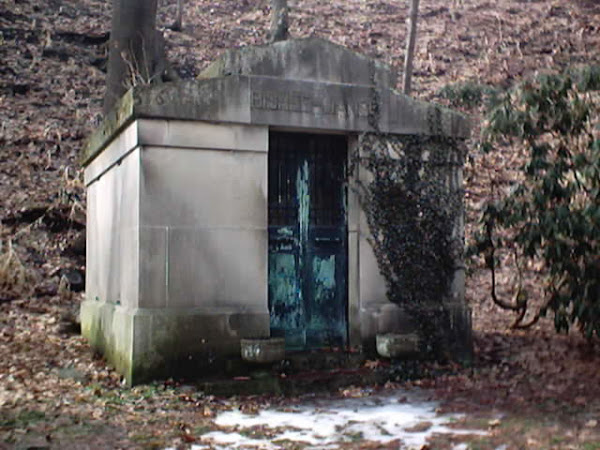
<point>148,344</point>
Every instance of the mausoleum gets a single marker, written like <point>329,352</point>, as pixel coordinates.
<point>220,208</point>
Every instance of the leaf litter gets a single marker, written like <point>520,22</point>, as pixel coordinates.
<point>54,392</point>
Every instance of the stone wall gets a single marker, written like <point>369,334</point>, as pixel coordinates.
<point>177,245</point>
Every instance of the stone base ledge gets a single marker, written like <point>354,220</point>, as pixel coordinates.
<point>455,320</point>
<point>453,317</point>
<point>148,344</point>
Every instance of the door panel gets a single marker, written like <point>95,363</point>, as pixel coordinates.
<point>307,239</point>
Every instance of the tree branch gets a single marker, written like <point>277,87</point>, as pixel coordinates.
<point>410,46</point>
<point>279,21</point>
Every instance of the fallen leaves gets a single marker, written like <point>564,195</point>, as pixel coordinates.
<point>188,438</point>
<point>49,106</point>
<point>494,423</point>
<point>354,392</point>
<point>207,411</point>
<point>419,427</point>
<point>374,364</point>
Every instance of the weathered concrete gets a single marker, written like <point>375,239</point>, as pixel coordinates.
<point>395,345</point>
<point>112,244</point>
<point>148,344</point>
<point>109,329</point>
<point>263,351</point>
<point>310,59</point>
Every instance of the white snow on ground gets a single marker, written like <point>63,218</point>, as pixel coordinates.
<point>325,422</point>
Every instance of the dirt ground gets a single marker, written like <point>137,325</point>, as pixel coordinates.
<point>528,389</point>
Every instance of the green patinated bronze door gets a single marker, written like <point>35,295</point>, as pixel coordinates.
<point>308,239</point>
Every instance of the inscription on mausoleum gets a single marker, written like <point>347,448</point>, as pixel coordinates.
<point>300,102</point>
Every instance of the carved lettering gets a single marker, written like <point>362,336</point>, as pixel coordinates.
<point>199,96</point>
<point>138,99</point>
<point>319,104</point>
<point>363,109</point>
<point>163,95</point>
<point>257,100</point>
<point>295,102</point>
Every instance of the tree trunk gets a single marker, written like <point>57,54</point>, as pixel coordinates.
<point>279,21</point>
<point>134,52</point>
<point>410,46</point>
<point>178,24</point>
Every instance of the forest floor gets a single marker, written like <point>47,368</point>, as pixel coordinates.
<point>526,389</point>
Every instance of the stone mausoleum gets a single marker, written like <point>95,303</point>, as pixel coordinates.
<point>220,209</point>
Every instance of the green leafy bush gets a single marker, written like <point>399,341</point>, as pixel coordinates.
<point>468,94</point>
<point>553,213</point>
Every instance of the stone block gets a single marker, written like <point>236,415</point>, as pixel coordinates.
<point>109,330</point>
<point>153,267</point>
<point>128,263</point>
<point>202,135</point>
<point>295,103</point>
<point>203,188</point>
<point>305,104</point>
<point>215,100</point>
<point>458,328</point>
<point>372,283</point>
<point>262,351</point>
<point>126,141</point>
<point>148,344</point>
<point>310,59</point>
<point>189,342</point>
<point>217,267</point>
<point>397,345</point>
<point>112,243</point>
<point>381,318</point>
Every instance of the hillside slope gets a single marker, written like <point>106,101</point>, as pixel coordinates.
<point>52,62</point>
<point>53,55</point>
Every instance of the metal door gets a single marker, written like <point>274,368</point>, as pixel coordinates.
<point>308,239</point>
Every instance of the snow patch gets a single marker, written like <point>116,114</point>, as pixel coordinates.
<point>325,422</point>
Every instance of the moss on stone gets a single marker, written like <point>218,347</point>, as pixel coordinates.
<point>121,114</point>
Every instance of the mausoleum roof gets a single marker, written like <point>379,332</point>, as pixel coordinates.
<point>303,84</point>
<point>308,59</point>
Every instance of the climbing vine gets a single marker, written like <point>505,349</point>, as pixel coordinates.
<point>412,200</point>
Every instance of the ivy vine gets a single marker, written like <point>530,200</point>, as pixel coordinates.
<point>412,200</point>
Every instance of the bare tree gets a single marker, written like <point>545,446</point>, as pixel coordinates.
<point>279,21</point>
<point>136,48</point>
<point>178,24</point>
<point>410,46</point>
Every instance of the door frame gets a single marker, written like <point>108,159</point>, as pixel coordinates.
<point>352,288</point>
